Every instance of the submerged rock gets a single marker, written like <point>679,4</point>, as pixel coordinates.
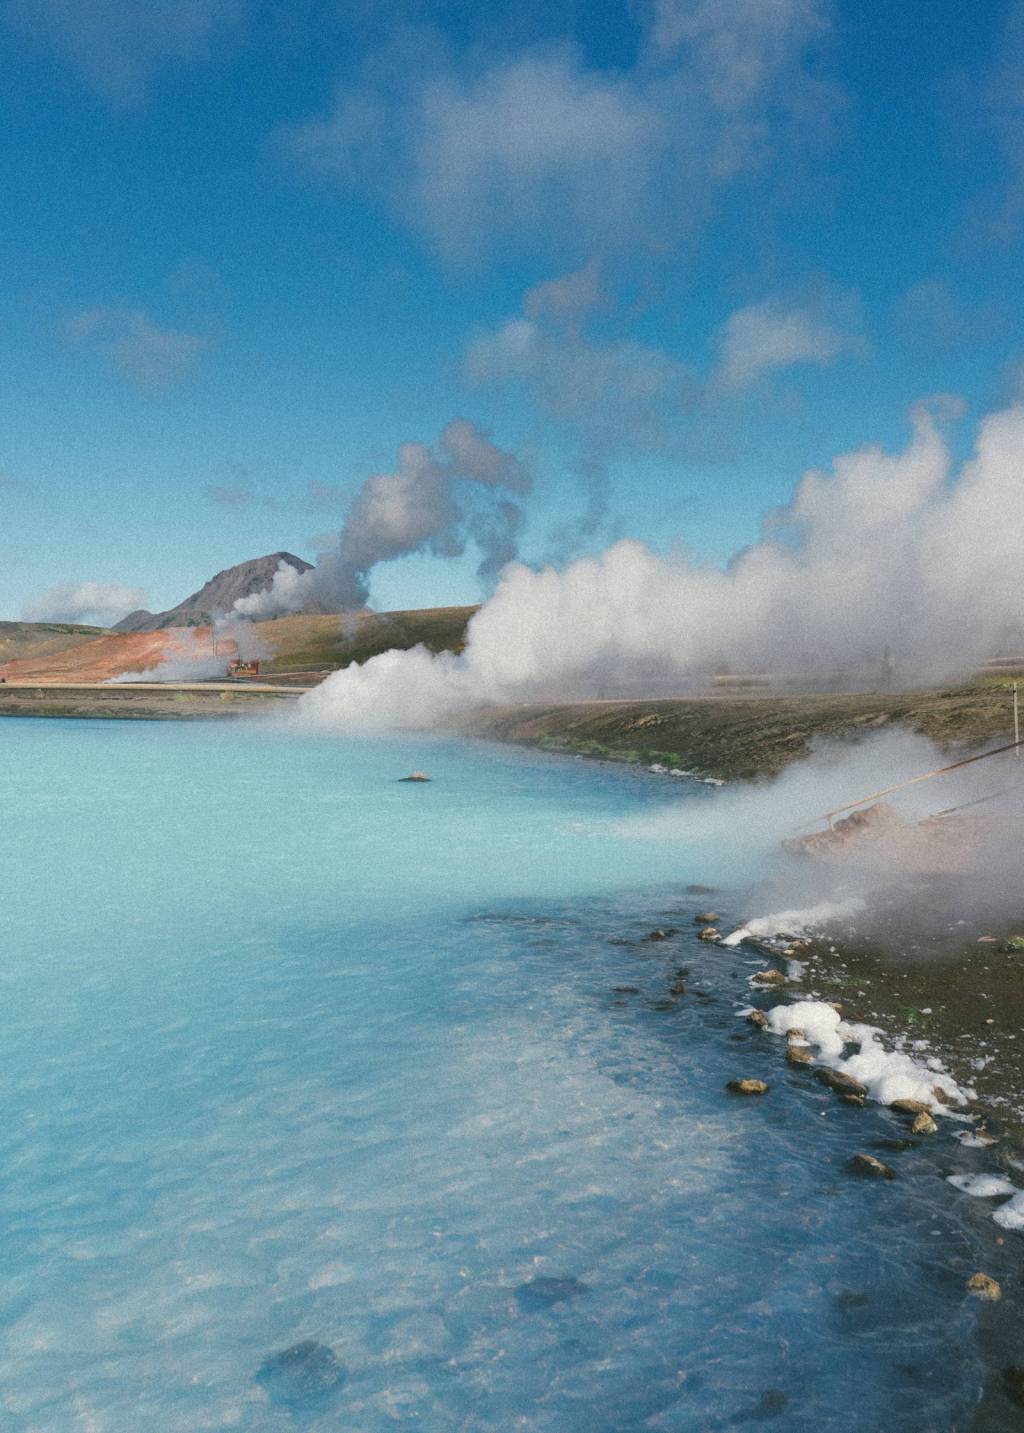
<point>747,1087</point>
<point>857,1101</point>
<point>546,1290</point>
<point>874,1168</point>
<point>924,1124</point>
<point>841,1082</point>
<point>302,1373</point>
<point>982,1286</point>
<point>626,989</point>
<point>697,890</point>
<point>1013,1382</point>
<point>666,934</point>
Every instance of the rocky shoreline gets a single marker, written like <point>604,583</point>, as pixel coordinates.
<point>960,1014</point>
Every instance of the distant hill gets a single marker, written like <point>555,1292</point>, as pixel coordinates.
<point>309,644</point>
<point>302,648</point>
<point>216,597</point>
<point>37,639</point>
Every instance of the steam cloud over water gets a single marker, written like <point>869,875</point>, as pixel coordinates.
<point>899,551</point>
<point>433,502</point>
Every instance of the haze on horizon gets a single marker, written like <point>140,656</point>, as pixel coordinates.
<point>418,296</point>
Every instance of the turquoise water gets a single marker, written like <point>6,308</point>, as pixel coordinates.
<point>298,1056</point>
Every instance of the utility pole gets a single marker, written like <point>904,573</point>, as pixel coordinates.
<point>1016,721</point>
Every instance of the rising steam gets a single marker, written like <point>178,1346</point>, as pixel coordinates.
<point>896,551</point>
<point>434,502</point>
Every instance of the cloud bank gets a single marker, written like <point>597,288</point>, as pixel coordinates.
<point>96,604</point>
<point>771,335</point>
<point>545,149</point>
<point>117,46</point>
<point>136,347</point>
<point>897,550</point>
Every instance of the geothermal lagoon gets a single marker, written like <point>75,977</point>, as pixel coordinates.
<point>332,1102</point>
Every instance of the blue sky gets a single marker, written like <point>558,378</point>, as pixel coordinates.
<point>669,254</point>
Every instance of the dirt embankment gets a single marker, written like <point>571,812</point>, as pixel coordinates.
<point>741,737</point>
<point>169,703</point>
<point>96,660</point>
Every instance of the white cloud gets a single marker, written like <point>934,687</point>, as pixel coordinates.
<point>94,603</point>
<point>543,149</point>
<point>773,334</point>
<point>136,347</point>
<point>118,45</point>
<point>931,313</point>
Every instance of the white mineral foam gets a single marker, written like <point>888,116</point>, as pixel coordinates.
<point>887,1074</point>
<point>982,1186</point>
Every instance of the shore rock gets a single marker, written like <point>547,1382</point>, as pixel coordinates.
<point>767,977</point>
<point>868,1165</point>
<point>924,1124</point>
<point>799,1055</point>
<point>856,1100</point>
<point>842,1083</point>
<point>909,1107</point>
<point>747,1087</point>
<point>758,1018</point>
<point>982,1286</point>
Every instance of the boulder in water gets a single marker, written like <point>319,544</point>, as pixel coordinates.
<point>844,1084</point>
<point>747,1087</point>
<point>708,932</point>
<point>662,933</point>
<point>706,918</point>
<point>759,1018</point>
<point>303,1373</point>
<point>909,1107</point>
<point>767,977</point>
<point>874,1168</point>
<point>924,1124</point>
<point>415,776</point>
<point>982,1286</point>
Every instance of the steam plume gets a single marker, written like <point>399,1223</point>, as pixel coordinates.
<point>433,502</point>
<point>887,550</point>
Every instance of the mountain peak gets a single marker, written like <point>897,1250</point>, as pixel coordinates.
<point>216,597</point>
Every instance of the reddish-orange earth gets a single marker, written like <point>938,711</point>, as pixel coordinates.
<point>114,655</point>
